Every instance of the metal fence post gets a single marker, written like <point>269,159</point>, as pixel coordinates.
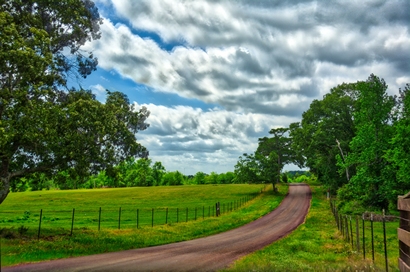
<point>357,234</point>
<point>385,241</point>
<point>364,240</point>
<point>99,219</point>
<point>119,218</point>
<point>351,231</point>
<point>138,218</point>
<point>371,226</point>
<point>72,223</point>
<point>39,224</point>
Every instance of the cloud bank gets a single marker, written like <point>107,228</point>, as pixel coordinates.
<point>260,62</point>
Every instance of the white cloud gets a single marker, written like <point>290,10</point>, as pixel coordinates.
<point>260,62</point>
<point>100,92</point>
<point>189,137</point>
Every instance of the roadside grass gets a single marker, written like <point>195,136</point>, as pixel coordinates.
<point>24,247</point>
<point>317,245</point>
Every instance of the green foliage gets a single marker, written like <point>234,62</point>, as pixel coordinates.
<point>173,178</point>
<point>247,169</point>
<point>226,178</point>
<point>355,140</point>
<point>325,131</point>
<point>158,171</point>
<point>266,164</point>
<point>212,178</point>
<point>43,127</point>
<point>371,183</point>
<point>399,153</point>
<point>199,178</point>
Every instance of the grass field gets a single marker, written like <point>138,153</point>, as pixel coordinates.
<point>55,243</point>
<point>121,208</point>
<point>319,246</point>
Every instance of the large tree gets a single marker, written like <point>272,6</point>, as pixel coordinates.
<point>324,133</point>
<point>373,120</point>
<point>399,153</point>
<point>275,153</point>
<point>45,129</point>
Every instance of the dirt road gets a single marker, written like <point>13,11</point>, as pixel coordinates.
<point>204,254</point>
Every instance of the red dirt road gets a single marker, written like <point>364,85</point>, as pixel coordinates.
<point>205,254</point>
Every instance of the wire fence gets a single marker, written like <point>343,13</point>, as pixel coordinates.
<point>370,234</point>
<point>67,221</point>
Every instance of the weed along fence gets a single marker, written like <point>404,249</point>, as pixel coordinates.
<point>370,235</point>
<point>403,205</point>
<point>47,221</point>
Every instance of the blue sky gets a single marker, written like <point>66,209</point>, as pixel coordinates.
<point>217,75</point>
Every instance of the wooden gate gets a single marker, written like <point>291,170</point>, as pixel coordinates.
<point>403,205</point>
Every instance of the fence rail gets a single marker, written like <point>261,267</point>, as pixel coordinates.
<point>403,232</point>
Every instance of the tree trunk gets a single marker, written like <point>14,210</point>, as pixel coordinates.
<point>4,188</point>
<point>274,187</point>
<point>343,157</point>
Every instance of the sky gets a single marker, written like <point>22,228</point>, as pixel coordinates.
<point>218,75</point>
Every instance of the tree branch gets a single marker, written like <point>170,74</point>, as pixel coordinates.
<point>341,152</point>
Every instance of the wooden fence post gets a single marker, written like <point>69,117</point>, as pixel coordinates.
<point>403,205</point>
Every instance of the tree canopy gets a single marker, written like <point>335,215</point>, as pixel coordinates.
<point>355,141</point>
<point>44,126</point>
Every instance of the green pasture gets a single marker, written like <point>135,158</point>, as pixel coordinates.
<point>318,245</point>
<point>121,207</point>
<point>23,246</point>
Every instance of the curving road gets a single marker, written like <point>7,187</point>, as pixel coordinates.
<point>205,254</point>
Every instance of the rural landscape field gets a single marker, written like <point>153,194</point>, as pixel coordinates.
<point>316,245</point>
<point>214,135</point>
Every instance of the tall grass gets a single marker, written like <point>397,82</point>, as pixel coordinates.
<point>85,241</point>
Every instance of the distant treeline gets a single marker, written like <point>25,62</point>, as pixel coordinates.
<point>132,173</point>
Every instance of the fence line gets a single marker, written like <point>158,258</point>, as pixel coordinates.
<point>122,217</point>
<point>344,224</point>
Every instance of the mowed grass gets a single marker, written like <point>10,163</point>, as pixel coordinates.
<point>121,207</point>
<point>317,245</point>
<point>54,243</point>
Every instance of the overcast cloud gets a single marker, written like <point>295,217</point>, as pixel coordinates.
<point>257,64</point>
